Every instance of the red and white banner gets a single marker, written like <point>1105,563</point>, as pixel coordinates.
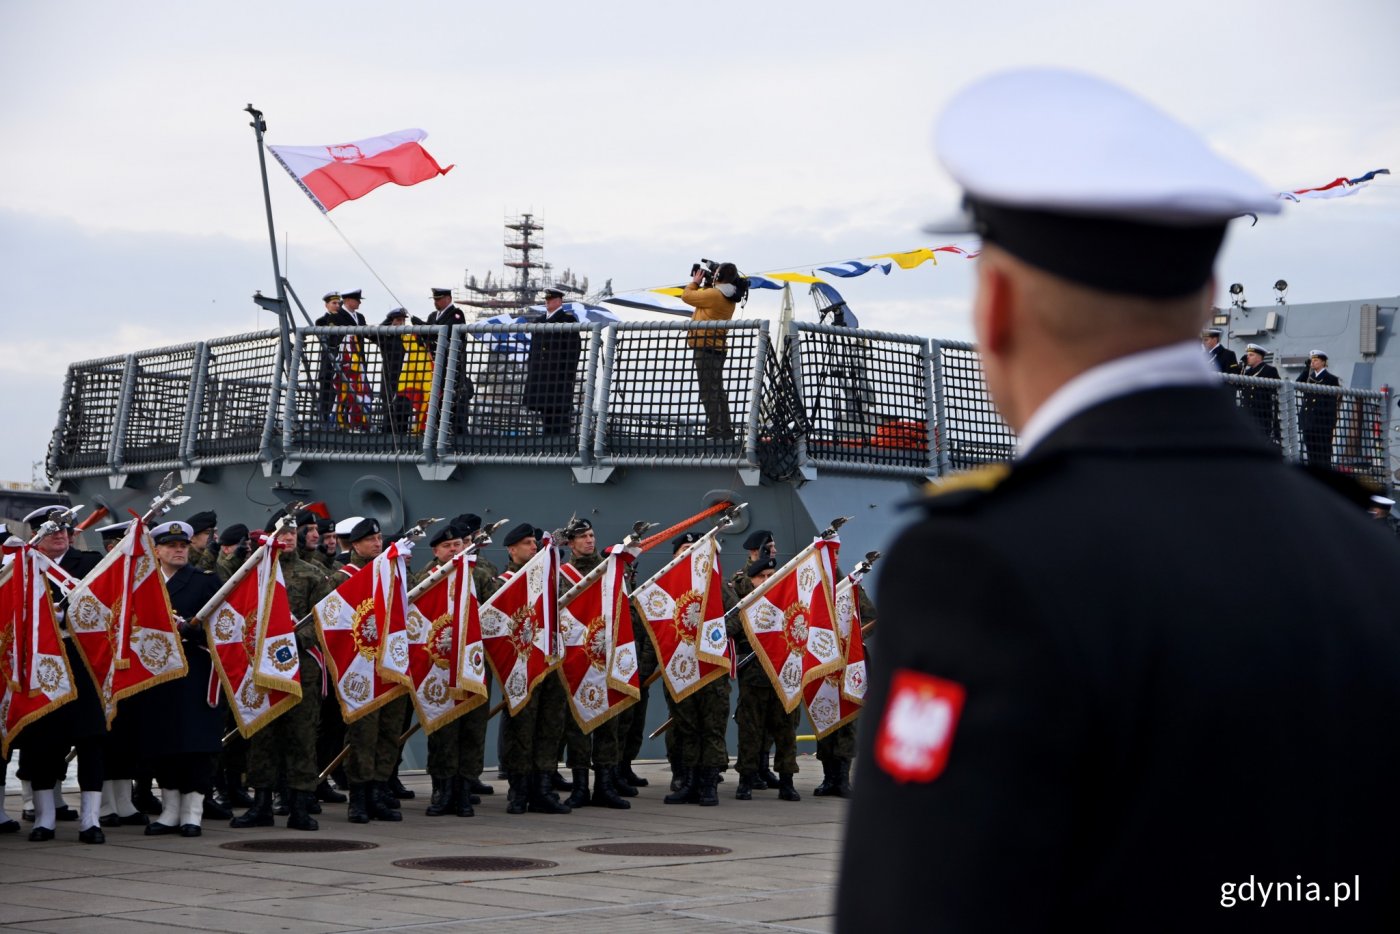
<point>353,398</point>
<point>790,620</point>
<point>35,678</point>
<point>446,659</point>
<point>120,619</point>
<point>332,175</point>
<point>600,648</point>
<point>250,629</point>
<point>683,609</point>
<point>836,698</point>
<point>519,626</point>
<point>363,629</point>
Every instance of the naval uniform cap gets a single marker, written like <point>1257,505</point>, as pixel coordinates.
<point>683,539</point>
<point>363,529</point>
<point>169,532</point>
<point>756,568</point>
<point>346,526</point>
<point>441,292</point>
<point>202,521</point>
<point>233,534</point>
<point>758,539</point>
<point>395,313</point>
<point>114,531</point>
<point>331,297</point>
<point>1255,348</point>
<point>518,534</point>
<point>353,293</point>
<point>1380,500</point>
<point>41,515</point>
<point>1320,354</point>
<point>1089,182</point>
<point>1211,332</point>
<point>553,291</point>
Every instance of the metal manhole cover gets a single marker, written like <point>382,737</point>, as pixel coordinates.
<point>474,863</point>
<point>298,845</point>
<point>654,849</point>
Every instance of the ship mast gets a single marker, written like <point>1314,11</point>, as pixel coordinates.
<point>526,274</point>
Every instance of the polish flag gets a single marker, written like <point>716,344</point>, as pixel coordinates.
<point>333,174</point>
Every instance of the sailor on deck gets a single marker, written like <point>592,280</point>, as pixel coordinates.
<point>1064,733</point>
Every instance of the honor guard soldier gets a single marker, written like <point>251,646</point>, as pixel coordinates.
<point>287,745</point>
<point>601,748</point>
<point>1062,733</point>
<point>760,714</point>
<point>203,538</point>
<point>531,738</point>
<point>80,724</point>
<point>759,544</point>
<point>309,540</point>
<point>331,738</point>
<point>374,738</point>
<point>233,551</point>
<point>182,731</point>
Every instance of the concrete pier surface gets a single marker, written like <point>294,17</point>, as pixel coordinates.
<point>779,874</point>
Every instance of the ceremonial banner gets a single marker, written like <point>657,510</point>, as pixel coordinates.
<point>683,609</point>
<point>250,630</point>
<point>363,630</point>
<point>600,649</point>
<point>518,626</point>
<point>836,698</point>
<point>121,622</point>
<point>35,678</point>
<point>332,175</point>
<point>791,622</point>
<point>446,660</point>
<point>353,398</point>
<point>415,382</point>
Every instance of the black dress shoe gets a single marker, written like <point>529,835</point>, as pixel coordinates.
<point>146,802</point>
<point>28,815</point>
<point>9,826</point>
<point>156,829</point>
<point>40,835</point>
<point>134,820</point>
<point>190,830</point>
<point>92,835</point>
<point>65,813</point>
<point>213,810</point>
<point>109,820</point>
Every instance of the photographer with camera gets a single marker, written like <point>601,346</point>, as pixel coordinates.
<point>713,291</point>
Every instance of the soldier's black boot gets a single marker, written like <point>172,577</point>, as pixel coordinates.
<point>280,807</point>
<point>843,778</point>
<point>462,797</point>
<point>765,772</point>
<point>441,802</point>
<point>235,795</point>
<point>518,795</point>
<point>397,789</point>
<point>212,809</point>
<point>623,786</point>
<point>707,793</point>
<point>324,792</point>
<point>676,771</point>
<point>300,818</point>
<point>785,790</point>
<point>543,798</point>
<point>624,771</point>
<point>141,796</point>
<point>682,786</point>
<point>828,785</point>
<point>476,787</point>
<point>559,783</point>
<point>579,798</point>
<point>605,792</point>
<point>357,811</point>
<point>259,813</point>
<point>744,791</point>
<point>377,803</point>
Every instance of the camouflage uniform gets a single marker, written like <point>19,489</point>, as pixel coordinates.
<point>760,713</point>
<point>206,559</point>
<point>374,738</point>
<point>290,740</point>
<point>533,735</point>
<point>840,744</point>
<point>315,557</point>
<point>601,748</point>
<point>227,565</point>
<point>456,750</point>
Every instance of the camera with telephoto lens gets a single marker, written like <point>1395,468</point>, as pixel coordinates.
<point>707,278</point>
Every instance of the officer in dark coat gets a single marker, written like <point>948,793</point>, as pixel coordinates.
<point>552,368</point>
<point>181,729</point>
<point>1065,733</point>
<point>1220,356</point>
<point>1260,403</point>
<point>79,724</point>
<point>1317,411</point>
<point>336,316</point>
<point>445,312</point>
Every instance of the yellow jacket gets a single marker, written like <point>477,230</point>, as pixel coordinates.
<point>710,305</point>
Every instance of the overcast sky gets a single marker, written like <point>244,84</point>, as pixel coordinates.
<point>645,135</point>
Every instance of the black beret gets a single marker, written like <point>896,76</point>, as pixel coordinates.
<point>363,529</point>
<point>325,526</point>
<point>577,528</point>
<point>683,539</point>
<point>518,534</point>
<point>467,523</point>
<point>756,568</point>
<point>393,314</point>
<point>539,535</point>
<point>233,534</point>
<point>202,521</point>
<point>306,517</point>
<point>447,533</point>
<point>758,539</point>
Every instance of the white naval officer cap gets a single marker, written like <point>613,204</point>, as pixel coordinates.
<point>1256,348</point>
<point>346,526</point>
<point>168,532</point>
<point>1078,176</point>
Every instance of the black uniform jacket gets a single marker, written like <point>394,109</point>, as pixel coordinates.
<point>552,367</point>
<point>1223,358</point>
<point>1147,718</point>
<point>176,716</point>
